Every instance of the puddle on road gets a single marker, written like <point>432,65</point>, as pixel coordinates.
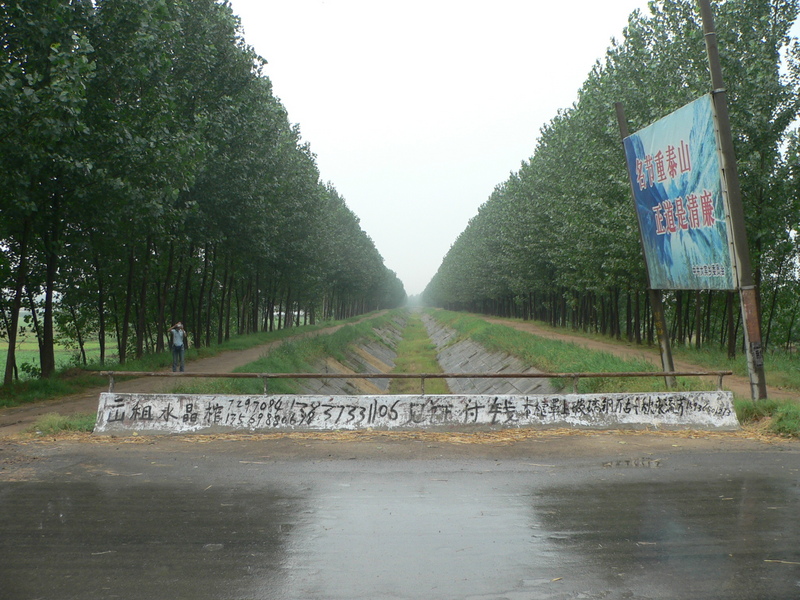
<point>701,540</point>
<point>351,535</point>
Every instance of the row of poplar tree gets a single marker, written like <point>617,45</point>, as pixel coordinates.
<point>149,175</point>
<point>558,240</point>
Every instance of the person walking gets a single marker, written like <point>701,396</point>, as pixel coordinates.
<point>177,336</point>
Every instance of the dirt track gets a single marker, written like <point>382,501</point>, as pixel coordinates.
<point>740,386</point>
<point>17,419</point>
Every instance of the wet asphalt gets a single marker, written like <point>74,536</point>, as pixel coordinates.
<point>253,521</point>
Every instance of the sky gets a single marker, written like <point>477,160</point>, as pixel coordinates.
<point>417,110</point>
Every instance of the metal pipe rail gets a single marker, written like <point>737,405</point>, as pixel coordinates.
<point>421,376</point>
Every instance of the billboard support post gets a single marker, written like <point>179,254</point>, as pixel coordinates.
<point>654,296</point>
<point>747,290</point>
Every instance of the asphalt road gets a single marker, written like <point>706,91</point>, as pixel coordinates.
<point>401,516</point>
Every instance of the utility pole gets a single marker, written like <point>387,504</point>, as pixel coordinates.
<point>744,273</point>
<point>656,303</point>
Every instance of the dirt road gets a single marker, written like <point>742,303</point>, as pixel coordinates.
<point>16,419</point>
<point>593,515</point>
<point>740,386</point>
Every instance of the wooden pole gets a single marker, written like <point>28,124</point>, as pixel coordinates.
<point>744,272</point>
<point>656,304</point>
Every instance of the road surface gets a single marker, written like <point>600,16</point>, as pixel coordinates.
<point>416,516</point>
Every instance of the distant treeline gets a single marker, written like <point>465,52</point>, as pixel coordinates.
<point>149,175</point>
<point>558,241</point>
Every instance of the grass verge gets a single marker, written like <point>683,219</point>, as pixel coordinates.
<point>780,417</point>
<point>53,423</point>
<point>65,383</point>
<point>416,354</point>
<point>553,356</point>
<point>74,380</point>
<point>293,356</point>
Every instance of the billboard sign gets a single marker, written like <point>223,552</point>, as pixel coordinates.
<point>678,187</point>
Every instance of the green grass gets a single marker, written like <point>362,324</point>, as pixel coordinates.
<point>783,415</point>
<point>293,356</point>
<point>557,356</point>
<point>71,380</point>
<point>34,390</point>
<point>553,356</point>
<point>53,423</point>
<point>416,354</point>
<point>781,368</point>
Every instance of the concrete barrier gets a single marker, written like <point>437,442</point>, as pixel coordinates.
<point>176,413</point>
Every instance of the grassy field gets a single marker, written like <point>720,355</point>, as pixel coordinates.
<point>28,356</point>
<point>293,356</point>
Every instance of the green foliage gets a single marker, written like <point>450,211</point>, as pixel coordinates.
<point>54,423</point>
<point>150,175</point>
<point>416,354</point>
<point>784,416</point>
<point>558,240</point>
<point>553,356</point>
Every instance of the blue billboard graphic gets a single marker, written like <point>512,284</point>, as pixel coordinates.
<point>675,173</point>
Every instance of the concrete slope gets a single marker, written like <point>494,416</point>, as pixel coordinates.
<point>466,356</point>
<point>368,356</point>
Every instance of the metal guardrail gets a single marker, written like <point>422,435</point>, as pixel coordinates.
<point>576,377</point>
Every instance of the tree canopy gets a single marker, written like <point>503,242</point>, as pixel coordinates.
<point>149,175</point>
<point>558,240</point>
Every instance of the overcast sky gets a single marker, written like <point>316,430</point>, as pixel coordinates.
<point>416,110</point>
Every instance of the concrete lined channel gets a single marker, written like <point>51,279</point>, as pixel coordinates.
<point>453,354</point>
<point>465,356</point>
<point>369,356</point>
<point>345,401</point>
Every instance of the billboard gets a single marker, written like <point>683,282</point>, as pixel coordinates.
<point>678,186</point>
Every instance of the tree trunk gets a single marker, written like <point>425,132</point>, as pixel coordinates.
<point>223,297</point>
<point>186,286</point>
<point>287,318</point>
<point>162,300</point>
<point>141,313</point>
<point>228,314</point>
<point>791,326</point>
<point>210,292</point>
<point>123,339</point>
<point>198,320</point>
<point>47,357</point>
<point>731,332</point>
<point>16,305</point>
<point>78,334</point>
<point>698,321</point>
<point>101,304</point>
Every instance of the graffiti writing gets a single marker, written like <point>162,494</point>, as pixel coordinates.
<point>197,412</point>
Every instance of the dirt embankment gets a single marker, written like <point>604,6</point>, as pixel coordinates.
<point>740,386</point>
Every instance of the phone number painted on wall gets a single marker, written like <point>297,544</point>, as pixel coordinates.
<point>173,413</point>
